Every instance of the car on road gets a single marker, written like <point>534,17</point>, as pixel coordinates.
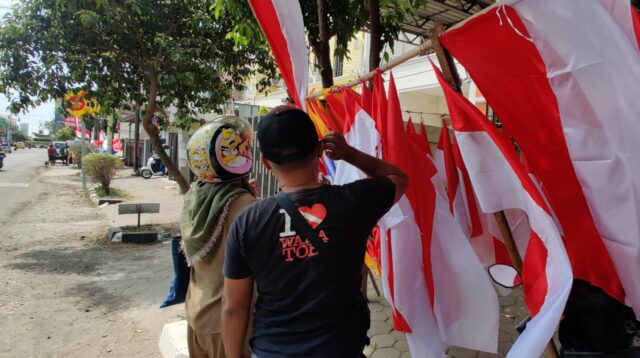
<point>6,147</point>
<point>58,146</point>
<point>19,145</point>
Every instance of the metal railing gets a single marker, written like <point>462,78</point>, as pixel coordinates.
<point>268,183</point>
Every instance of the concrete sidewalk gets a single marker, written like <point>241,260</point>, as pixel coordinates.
<point>157,189</point>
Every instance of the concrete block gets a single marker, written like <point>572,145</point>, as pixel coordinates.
<point>173,340</point>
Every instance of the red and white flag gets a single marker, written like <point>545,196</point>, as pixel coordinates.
<point>564,79</point>
<point>424,233</point>
<point>438,289</point>
<point>501,183</point>
<point>282,24</point>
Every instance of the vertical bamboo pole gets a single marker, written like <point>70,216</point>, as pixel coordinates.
<point>450,73</point>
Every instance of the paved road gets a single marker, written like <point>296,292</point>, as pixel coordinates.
<point>17,178</point>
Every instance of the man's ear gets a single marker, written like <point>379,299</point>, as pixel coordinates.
<point>266,163</point>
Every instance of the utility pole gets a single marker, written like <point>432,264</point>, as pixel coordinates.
<point>136,163</point>
<point>83,152</point>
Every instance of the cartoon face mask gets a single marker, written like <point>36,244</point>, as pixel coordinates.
<point>221,149</point>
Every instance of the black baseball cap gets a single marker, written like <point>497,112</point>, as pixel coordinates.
<point>286,135</point>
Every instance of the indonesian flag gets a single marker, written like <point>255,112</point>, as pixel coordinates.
<point>418,139</point>
<point>481,229</point>
<point>564,81</point>
<point>282,25</point>
<point>501,183</point>
<point>437,287</point>
<point>436,276</point>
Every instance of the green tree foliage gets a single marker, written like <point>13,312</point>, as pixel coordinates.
<point>340,19</point>
<point>147,53</point>
<point>102,168</point>
<point>53,127</point>
<point>65,134</point>
<point>16,134</point>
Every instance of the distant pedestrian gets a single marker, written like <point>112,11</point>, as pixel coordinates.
<point>220,155</point>
<point>51,151</point>
<point>304,249</point>
<point>64,152</point>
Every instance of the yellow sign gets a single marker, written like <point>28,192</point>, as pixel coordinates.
<point>76,104</point>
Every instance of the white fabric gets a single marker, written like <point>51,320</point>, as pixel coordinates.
<point>594,71</point>
<point>498,188</point>
<point>290,17</point>
<point>466,305</point>
<point>620,11</point>
<point>411,297</point>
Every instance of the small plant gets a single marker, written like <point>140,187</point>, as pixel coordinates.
<point>102,168</point>
<point>113,192</point>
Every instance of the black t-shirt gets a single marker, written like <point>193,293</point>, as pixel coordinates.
<point>309,302</point>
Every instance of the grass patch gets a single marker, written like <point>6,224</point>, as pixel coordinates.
<point>114,192</point>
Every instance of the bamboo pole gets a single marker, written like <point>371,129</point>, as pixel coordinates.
<point>422,49</point>
<point>450,73</point>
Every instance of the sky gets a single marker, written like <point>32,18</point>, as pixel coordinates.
<point>36,115</point>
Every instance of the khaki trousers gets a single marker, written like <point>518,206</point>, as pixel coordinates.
<point>204,345</point>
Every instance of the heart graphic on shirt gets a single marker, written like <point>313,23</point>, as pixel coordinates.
<point>314,215</point>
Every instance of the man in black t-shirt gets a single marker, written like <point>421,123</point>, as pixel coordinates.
<point>309,302</point>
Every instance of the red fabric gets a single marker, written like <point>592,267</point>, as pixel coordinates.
<point>449,164</point>
<point>267,17</point>
<point>424,140</point>
<point>533,283</point>
<point>351,106</point>
<point>51,151</point>
<point>474,214</point>
<point>397,150</point>
<point>512,76</point>
<point>324,115</point>
<point>419,139</point>
<point>500,252</point>
<point>465,117</point>
<point>636,24</point>
<point>336,108</point>
<point>365,98</point>
<point>379,105</point>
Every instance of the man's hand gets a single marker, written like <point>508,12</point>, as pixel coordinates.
<point>255,187</point>
<point>336,147</point>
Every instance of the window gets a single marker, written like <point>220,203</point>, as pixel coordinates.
<point>337,66</point>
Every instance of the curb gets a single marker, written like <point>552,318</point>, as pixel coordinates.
<point>101,202</point>
<point>94,197</point>
<point>173,340</point>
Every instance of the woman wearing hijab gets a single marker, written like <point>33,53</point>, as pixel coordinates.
<point>219,153</point>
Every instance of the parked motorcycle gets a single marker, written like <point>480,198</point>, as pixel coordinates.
<point>593,323</point>
<point>154,167</point>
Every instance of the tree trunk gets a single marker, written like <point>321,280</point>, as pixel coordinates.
<point>321,48</point>
<point>154,133</point>
<point>375,31</point>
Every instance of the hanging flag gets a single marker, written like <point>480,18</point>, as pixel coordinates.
<point>481,229</point>
<point>501,183</point>
<point>424,139</point>
<point>563,79</point>
<point>423,233</point>
<point>418,139</point>
<point>282,25</point>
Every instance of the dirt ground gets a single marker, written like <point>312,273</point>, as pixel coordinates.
<point>67,292</point>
